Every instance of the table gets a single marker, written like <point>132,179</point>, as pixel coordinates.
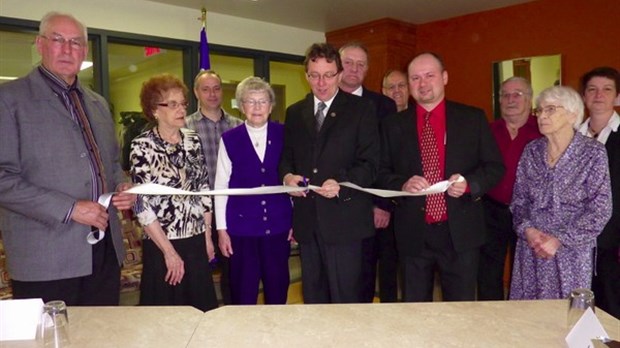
<point>444,324</point>
<point>440,324</point>
<point>139,326</point>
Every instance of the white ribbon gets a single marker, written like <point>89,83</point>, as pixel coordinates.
<point>104,200</point>
<point>156,189</point>
<point>439,187</point>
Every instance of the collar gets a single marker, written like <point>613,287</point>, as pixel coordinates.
<point>255,130</point>
<point>56,82</point>
<point>612,126</point>
<point>328,103</point>
<point>359,91</point>
<point>438,110</point>
<point>201,116</point>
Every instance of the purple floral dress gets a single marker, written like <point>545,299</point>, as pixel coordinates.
<point>572,202</point>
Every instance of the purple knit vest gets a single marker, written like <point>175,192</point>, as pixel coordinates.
<point>257,215</point>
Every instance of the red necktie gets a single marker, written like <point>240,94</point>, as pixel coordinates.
<point>436,203</point>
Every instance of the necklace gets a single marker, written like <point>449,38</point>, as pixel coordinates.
<point>169,142</point>
<point>174,152</point>
<point>552,160</point>
<point>592,132</point>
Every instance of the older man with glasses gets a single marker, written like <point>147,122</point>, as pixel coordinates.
<point>58,155</point>
<point>513,131</point>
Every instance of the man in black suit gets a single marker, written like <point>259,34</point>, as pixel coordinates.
<point>330,137</point>
<point>600,88</point>
<point>380,248</point>
<point>437,140</point>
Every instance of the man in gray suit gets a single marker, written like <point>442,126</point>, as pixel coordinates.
<point>58,154</point>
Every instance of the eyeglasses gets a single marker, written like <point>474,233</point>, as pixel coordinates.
<point>549,110</point>
<point>327,76</point>
<point>59,41</point>
<point>259,102</point>
<point>514,95</point>
<point>174,104</point>
<point>396,86</point>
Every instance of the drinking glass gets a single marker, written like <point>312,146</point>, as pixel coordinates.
<point>578,302</point>
<point>54,322</point>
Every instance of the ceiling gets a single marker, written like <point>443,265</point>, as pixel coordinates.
<point>328,15</point>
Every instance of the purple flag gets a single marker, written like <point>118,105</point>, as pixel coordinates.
<point>205,62</point>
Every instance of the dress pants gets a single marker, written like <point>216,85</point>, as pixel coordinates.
<point>369,268</point>
<point>388,264</point>
<point>101,288</point>
<point>458,270</point>
<point>381,257</point>
<point>331,273</point>
<point>606,281</point>
<point>222,265</point>
<point>259,259</point>
<point>500,238</point>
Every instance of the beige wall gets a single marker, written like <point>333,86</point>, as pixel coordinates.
<point>290,75</point>
<point>151,18</point>
<point>545,71</point>
<point>124,92</point>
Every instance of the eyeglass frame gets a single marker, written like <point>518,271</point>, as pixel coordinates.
<point>174,105</point>
<point>515,94</point>
<point>396,86</point>
<point>59,40</point>
<point>261,103</point>
<point>326,76</point>
<point>549,110</point>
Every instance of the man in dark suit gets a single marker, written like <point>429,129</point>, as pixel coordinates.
<point>330,137</point>
<point>600,88</point>
<point>58,154</point>
<point>380,248</point>
<point>433,141</point>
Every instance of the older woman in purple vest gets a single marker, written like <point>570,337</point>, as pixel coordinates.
<point>254,231</point>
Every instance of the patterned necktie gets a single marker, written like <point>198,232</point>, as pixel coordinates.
<point>90,139</point>
<point>436,203</point>
<point>320,115</point>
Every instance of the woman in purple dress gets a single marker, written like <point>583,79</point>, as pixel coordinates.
<point>561,202</point>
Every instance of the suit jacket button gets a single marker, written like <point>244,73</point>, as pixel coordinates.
<point>314,170</point>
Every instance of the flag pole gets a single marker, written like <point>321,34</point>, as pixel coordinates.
<point>205,62</point>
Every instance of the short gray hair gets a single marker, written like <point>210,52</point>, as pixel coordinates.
<point>254,84</point>
<point>567,97</point>
<point>524,81</point>
<point>45,23</point>
<point>204,72</point>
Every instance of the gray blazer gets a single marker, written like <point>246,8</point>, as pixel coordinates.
<point>44,170</point>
